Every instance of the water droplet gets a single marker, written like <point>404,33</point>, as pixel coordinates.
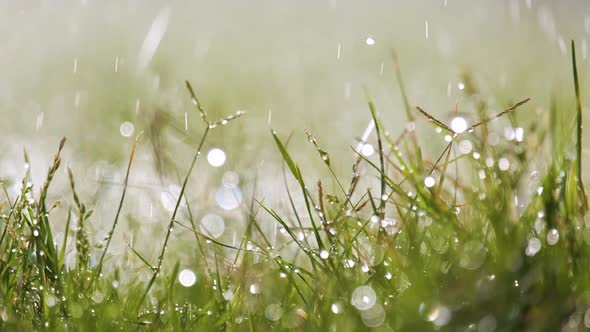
<point>273,312</point>
<point>367,150</point>
<point>126,129</point>
<point>370,41</point>
<point>213,225</point>
<point>337,308</point>
<point>254,289</point>
<point>230,179</point>
<point>552,236</point>
<point>228,198</point>
<point>429,182</point>
<point>533,247</point>
<point>363,298</point>
<point>459,125</point>
<point>460,86</point>
<point>228,294</point>
<point>465,146</point>
<point>324,254</point>
<point>503,164</point>
<point>216,157</point>
<point>374,316</point>
<point>187,278</point>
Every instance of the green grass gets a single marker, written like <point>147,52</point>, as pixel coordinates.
<point>479,238</point>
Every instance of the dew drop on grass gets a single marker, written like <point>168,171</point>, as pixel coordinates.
<point>126,129</point>
<point>370,41</point>
<point>429,182</point>
<point>460,86</point>
<point>273,312</point>
<point>216,157</point>
<point>552,236</point>
<point>363,298</point>
<point>187,278</point>
<point>533,247</point>
<point>324,254</point>
<point>213,225</point>
<point>459,124</point>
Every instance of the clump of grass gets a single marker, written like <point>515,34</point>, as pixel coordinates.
<point>476,238</point>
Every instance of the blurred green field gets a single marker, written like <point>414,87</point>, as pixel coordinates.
<point>456,255</point>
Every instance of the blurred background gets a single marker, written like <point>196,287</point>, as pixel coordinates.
<point>101,72</point>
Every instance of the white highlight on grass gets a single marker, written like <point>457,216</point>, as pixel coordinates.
<point>426,28</point>
<point>137,105</point>
<point>370,41</point>
<point>126,129</point>
<point>216,157</point>
<point>459,124</point>
<point>339,52</point>
<point>75,65</point>
<point>116,64</point>
<point>429,182</point>
<point>153,38</point>
<point>460,86</point>
<point>187,278</point>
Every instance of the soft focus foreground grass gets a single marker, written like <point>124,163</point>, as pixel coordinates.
<point>490,233</point>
